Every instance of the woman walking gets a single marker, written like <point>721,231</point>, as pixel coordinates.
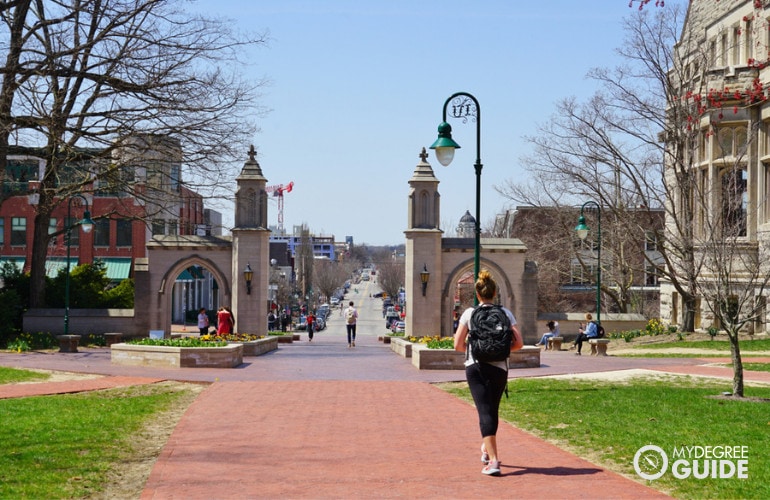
<point>487,380</point>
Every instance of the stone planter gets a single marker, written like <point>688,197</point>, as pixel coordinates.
<point>68,343</point>
<point>258,347</point>
<point>284,339</point>
<point>401,347</point>
<point>436,359</point>
<point>228,356</point>
<point>448,359</point>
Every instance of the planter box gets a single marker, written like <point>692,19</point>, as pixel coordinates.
<point>436,359</point>
<point>401,347</point>
<point>283,339</point>
<point>258,347</point>
<point>229,356</point>
<point>447,359</point>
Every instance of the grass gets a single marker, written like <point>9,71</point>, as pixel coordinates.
<point>716,345</point>
<point>608,422</point>
<point>66,446</point>
<point>12,376</point>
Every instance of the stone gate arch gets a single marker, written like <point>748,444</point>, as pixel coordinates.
<point>429,309</point>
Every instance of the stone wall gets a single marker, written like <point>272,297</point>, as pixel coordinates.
<point>84,322</point>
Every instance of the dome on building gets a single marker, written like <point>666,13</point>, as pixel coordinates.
<point>467,226</point>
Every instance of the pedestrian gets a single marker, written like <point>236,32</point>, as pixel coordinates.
<point>486,380</point>
<point>224,321</point>
<point>351,317</point>
<point>271,321</point>
<point>310,326</point>
<point>203,321</point>
<point>553,331</point>
<point>587,332</point>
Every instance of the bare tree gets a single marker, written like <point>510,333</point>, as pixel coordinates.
<point>82,77</point>
<point>329,276</point>
<point>614,149</point>
<point>390,276</point>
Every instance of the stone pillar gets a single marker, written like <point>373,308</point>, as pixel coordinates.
<point>423,250</point>
<point>527,302</point>
<point>251,246</point>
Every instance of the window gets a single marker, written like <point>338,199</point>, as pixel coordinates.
<point>158,227</point>
<point>18,173</point>
<point>650,241</point>
<point>155,176</point>
<point>734,202</point>
<point>18,231</point>
<point>172,227</point>
<point>124,234</point>
<point>580,275</point>
<point>102,232</point>
<point>651,275</point>
<point>51,230</point>
<point>115,181</point>
<point>2,231</point>
<point>736,52</point>
<point>732,141</point>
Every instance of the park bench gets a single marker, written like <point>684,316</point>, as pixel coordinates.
<point>554,344</point>
<point>599,346</point>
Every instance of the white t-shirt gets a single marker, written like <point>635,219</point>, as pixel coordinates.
<point>465,320</point>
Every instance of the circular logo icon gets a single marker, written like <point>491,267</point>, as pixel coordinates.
<point>650,462</point>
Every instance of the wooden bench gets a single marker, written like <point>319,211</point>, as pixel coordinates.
<point>554,344</point>
<point>599,346</point>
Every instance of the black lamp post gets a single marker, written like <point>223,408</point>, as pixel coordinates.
<point>87,224</point>
<point>464,106</point>
<point>582,231</point>
<point>424,278</point>
<point>248,274</point>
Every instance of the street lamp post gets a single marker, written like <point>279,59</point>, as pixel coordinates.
<point>582,231</point>
<point>87,224</point>
<point>464,106</point>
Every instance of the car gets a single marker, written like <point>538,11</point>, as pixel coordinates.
<point>391,317</point>
<point>334,301</point>
<point>398,327</point>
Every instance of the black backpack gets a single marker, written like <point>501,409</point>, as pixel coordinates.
<point>490,334</point>
<point>599,331</point>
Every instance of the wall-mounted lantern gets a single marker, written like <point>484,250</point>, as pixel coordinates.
<point>248,274</point>
<point>424,278</point>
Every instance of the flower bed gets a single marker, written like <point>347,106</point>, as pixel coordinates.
<point>211,355</point>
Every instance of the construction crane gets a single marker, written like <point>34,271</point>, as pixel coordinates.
<point>277,191</point>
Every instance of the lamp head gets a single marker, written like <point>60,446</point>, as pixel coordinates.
<point>445,146</point>
<point>86,223</point>
<point>581,228</point>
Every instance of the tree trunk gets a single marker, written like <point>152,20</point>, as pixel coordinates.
<point>735,352</point>
<point>688,318</point>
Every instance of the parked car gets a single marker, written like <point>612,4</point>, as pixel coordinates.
<point>398,327</point>
<point>320,323</point>
<point>334,301</point>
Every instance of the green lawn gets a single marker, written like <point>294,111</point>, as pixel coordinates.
<point>65,446</point>
<point>716,345</point>
<point>12,375</point>
<point>608,422</point>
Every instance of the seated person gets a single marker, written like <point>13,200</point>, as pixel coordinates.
<point>589,332</point>
<point>553,328</point>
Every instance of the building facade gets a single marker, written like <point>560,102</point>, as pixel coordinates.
<point>724,49</point>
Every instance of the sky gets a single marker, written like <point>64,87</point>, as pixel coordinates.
<point>356,90</point>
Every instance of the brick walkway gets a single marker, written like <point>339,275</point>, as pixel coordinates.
<point>319,420</point>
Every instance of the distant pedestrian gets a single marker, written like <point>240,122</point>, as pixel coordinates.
<point>310,326</point>
<point>271,321</point>
<point>203,321</point>
<point>351,317</point>
<point>225,321</point>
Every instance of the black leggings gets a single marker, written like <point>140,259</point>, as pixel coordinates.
<point>487,384</point>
